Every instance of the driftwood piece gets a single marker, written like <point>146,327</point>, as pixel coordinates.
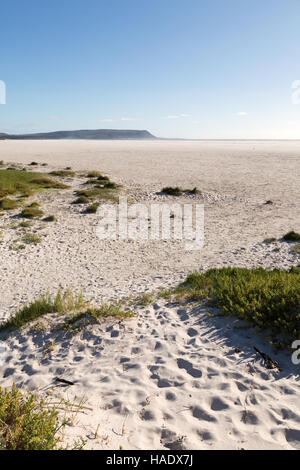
<point>63,381</point>
<point>269,362</point>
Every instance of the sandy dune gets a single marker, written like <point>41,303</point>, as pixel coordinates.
<point>236,180</point>
<point>172,377</point>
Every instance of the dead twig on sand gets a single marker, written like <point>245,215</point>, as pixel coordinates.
<point>269,362</point>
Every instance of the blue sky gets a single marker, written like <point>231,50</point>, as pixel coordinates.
<point>193,68</point>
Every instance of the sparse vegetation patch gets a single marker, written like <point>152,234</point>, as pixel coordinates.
<point>292,236</point>
<point>268,299</point>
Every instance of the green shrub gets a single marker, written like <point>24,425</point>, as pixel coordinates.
<point>110,185</point>
<point>105,311</point>
<point>92,209</point>
<point>7,204</point>
<point>103,178</point>
<point>81,200</point>
<point>98,192</point>
<point>31,238</point>
<point>63,173</point>
<point>63,302</point>
<point>48,183</point>
<point>26,224</point>
<point>25,424</point>
<point>20,182</point>
<point>172,191</point>
<point>269,299</point>
<point>49,218</point>
<point>31,212</point>
<point>144,299</point>
<point>94,174</point>
<point>270,240</point>
<point>292,237</point>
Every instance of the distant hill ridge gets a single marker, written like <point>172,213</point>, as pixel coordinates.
<point>97,134</point>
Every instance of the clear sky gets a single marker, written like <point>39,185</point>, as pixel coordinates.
<point>179,68</point>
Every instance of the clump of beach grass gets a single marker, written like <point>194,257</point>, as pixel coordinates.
<point>63,173</point>
<point>94,174</point>
<point>270,240</point>
<point>172,191</point>
<point>144,299</point>
<point>176,191</point>
<point>31,238</point>
<point>92,209</point>
<point>95,314</point>
<point>81,200</point>
<point>8,204</point>
<point>26,423</point>
<point>49,218</point>
<point>63,302</point>
<point>98,192</point>
<point>48,183</point>
<point>26,224</point>
<point>24,183</point>
<point>292,237</point>
<point>30,212</point>
<point>268,299</point>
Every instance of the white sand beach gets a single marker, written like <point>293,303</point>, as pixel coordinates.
<point>172,377</point>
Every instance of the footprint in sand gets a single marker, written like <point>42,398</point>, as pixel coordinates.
<point>188,366</point>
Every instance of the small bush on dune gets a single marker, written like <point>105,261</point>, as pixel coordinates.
<point>63,173</point>
<point>26,224</point>
<point>25,424</point>
<point>50,218</point>
<point>270,240</point>
<point>7,204</point>
<point>98,192</point>
<point>31,238</point>
<point>292,237</point>
<point>16,181</point>
<point>172,191</point>
<point>269,299</point>
<point>81,200</point>
<point>110,185</point>
<point>102,178</point>
<point>48,183</point>
<point>94,174</point>
<point>63,302</point>
<point>105,311</point>
<point>92,209</point>
<point>31,212</point>
<point>178,191</point>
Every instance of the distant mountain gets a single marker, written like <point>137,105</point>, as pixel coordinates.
<point>97,134</point>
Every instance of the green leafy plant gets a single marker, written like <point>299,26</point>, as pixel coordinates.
<point>7,204</point>
<point>25,424</point>
<point>63,173</point>
<point>268,299</point>
<point>292,236</point>
<point>31,212</point>
<point>31,238</point>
